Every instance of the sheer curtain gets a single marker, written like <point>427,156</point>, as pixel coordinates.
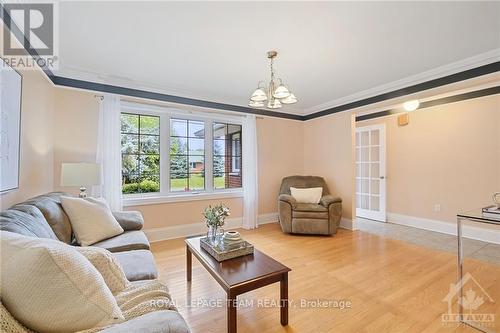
<point>250,174</point>
<point>109,151</point>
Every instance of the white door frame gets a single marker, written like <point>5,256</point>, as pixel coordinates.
<point>381,214</point>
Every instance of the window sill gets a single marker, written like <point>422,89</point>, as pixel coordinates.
<point>159,198</point>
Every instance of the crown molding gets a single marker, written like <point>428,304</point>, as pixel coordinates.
<point>479,65</point>
<point>435,102</point>
<point>433,74</point>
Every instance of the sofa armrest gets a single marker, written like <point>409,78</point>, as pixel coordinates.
<point>288,199</point>
<point>327,200</point>
<point>129,220</point>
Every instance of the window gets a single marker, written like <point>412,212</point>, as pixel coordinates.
<point>140,153</point>
<point>236,151</point>
<point>167,153</point>
<point>187,155</point>
<point>227,155</point>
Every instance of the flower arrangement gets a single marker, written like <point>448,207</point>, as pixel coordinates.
<point>215,216</point>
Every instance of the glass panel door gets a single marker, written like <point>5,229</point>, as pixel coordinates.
<point>370,172</point>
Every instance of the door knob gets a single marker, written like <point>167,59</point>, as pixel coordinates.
<point>382,177</point>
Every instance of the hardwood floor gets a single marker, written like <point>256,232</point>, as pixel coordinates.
<point>393,286</point>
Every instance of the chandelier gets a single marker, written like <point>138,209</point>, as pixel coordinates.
<point>276,93</point>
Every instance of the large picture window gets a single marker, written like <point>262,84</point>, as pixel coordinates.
<point>170,154</point>
<point>140,153</point>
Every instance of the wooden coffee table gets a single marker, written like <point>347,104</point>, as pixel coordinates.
<point>240,275</point>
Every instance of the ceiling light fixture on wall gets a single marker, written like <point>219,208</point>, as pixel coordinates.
<point>411,105</point>
<point>276,93</point>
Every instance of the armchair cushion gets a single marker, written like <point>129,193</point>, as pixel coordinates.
<point>327,200</point>
<point>289,199</point>
<point>307,207</point>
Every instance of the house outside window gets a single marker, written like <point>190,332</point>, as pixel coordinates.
<point>168,153</point>
<point>227,155</point>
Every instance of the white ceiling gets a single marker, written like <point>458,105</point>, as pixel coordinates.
<point>329,52</point>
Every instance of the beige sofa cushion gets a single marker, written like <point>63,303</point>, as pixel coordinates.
<point>91,219</point>
<point>49,287</point>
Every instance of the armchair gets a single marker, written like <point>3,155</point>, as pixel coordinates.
<point>305,218</point>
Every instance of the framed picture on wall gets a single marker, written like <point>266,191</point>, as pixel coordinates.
<point>10,126</point>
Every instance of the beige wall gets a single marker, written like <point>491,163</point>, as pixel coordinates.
<point>328,152</point>
<point>280,154</point>
<point>36,167</point>
<point>76,117</point>
<point>448,155</point>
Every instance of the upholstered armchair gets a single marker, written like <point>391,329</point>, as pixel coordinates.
<point>306,218</point>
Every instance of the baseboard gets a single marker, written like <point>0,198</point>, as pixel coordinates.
<point>347,224</point>
<point>193,229</point>
<point>268,218</point>
<point>469,231</point>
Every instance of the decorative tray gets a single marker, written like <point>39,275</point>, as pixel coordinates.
<point>221,254</point>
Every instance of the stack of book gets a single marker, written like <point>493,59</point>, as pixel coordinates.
<point>491,212</point>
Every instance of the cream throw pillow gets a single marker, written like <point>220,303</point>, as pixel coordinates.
<point>307,195</point>
<point>49,287</point>
<point>107,265</point>
<point>91,219</point>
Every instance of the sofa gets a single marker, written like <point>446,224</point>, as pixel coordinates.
<point>44,217</point>
<point>307,218</point>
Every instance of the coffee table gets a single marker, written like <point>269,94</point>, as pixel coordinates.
<point>240,275</point>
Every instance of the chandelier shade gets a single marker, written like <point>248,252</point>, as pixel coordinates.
<point>281,92</point>
<point>276,93</point>
<point>255,104</point>
<point>290,99</point>
<point>274,103</point>
<point>258,95</point>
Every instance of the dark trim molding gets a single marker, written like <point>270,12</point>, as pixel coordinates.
<point>461,76</point>
<point>436,102</point>
<point>74,83</point>
<point>100,87</point>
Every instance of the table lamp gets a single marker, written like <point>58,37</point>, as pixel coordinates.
<point>80,174</point>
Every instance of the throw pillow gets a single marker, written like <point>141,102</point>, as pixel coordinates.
<point>91,219</point>
<point>107,265</point>
<point>307,195</point>
<point>49,287</point>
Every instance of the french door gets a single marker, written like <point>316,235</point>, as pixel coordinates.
<point>370,172</point>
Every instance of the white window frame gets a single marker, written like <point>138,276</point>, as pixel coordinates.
<point>166,113</point>
<point>234,157</point>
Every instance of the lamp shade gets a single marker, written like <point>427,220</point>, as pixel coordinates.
<point>281,92</point>
<point>274,104</point>
<point>258,95</point>
<point>290,99</point>
<point>80,174</point>
<point>256,104</point>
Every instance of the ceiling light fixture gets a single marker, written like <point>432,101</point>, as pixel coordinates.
<point>276,93</point>
<point>411,105</point>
